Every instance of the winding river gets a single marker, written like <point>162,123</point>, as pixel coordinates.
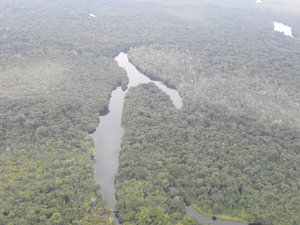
<point>108,136</point>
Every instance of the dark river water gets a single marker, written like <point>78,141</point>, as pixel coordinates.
<point>108,136</point>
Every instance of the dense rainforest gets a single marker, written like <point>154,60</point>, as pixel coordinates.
<point>205,156</point>
<point>231,151</point>
<point>56,74</point>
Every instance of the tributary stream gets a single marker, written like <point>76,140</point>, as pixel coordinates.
<point>108,136</point>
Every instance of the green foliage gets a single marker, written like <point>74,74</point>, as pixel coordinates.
<point>50,98</point>
<point>233,150</point>
<point>202,154</point>
<point>188,220</point>
<point>57,74</point>
<point>46,167</point>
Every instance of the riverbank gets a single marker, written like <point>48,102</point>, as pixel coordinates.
<point>224,217</point>
<point>108,135</point>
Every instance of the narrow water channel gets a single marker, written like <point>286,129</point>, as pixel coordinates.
<point>108,136</point>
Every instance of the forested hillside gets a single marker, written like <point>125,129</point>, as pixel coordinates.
<point>232,149</point>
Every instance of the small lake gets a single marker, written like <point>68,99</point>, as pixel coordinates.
<point>108,136</point>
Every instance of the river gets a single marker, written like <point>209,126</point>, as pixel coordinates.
<point>108,136</point>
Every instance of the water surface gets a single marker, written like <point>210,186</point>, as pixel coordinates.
<point>136,78</point>
<point>208,220</point>
<point>108,135</point>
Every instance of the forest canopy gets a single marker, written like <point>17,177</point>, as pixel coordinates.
<point>233,149</point>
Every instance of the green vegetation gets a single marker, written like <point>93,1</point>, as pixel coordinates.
<point>144,184</point>
<point>204,155</point>
<point>56,75</point>
<point>242,216</point>
<point>46,167</point>
<point>233,149</point>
